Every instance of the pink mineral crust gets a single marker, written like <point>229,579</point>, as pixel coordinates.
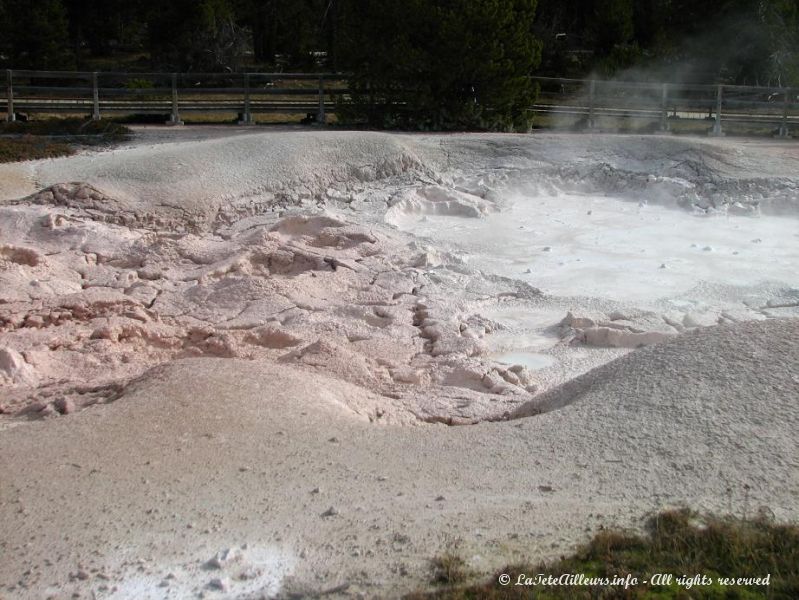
<point>94,300</point>
<point>229,360</point>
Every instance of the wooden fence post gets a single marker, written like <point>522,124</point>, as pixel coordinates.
<point>717,131</point>
<point>664,107</point>
<point>321,118</point>
<point>95,98</point>
<point>247,116</point>
<point>175,120</point>
<point>10,116</point>
<point>591,94</point>
<point>784,133</point>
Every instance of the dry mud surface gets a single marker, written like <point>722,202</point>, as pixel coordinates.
<point>230,363</point>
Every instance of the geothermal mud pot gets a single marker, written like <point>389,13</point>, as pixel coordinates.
<point>250,365</point>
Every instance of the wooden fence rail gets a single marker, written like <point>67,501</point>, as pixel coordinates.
<point>98,94</point>
<point>665,103</point>
<point>589,102</point>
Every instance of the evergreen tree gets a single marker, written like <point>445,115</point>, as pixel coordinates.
<point>612,24</point>
<point>448,64</point>
<point>780,22</point>
<point>293,29</point>
<point>35,34</point>
<point>185,35</point>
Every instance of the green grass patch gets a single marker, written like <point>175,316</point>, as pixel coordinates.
<point>50,138</point>
<point>699,553</point>
<point>31,148</point>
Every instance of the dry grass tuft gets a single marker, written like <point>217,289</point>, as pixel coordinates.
<point>31,148</point>
<point>678,542</point>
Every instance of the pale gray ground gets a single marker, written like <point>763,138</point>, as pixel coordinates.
<point>253,345</point>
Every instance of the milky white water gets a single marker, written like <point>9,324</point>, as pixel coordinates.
<point>532,360</point>
<point>580,245</point>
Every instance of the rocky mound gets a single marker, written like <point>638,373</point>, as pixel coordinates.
<point>740,374</point>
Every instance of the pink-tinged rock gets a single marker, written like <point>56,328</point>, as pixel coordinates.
<point>14,368</point>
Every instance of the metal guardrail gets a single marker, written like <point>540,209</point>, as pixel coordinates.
<point>247,94</point>
<point>666,103</point>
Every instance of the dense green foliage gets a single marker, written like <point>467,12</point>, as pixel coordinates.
<point>753,42</point>
<point>417,63</point>
<point>737,41</point>
<point>453,64</point>
<point>679,543</point>
<point>34,35</point>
